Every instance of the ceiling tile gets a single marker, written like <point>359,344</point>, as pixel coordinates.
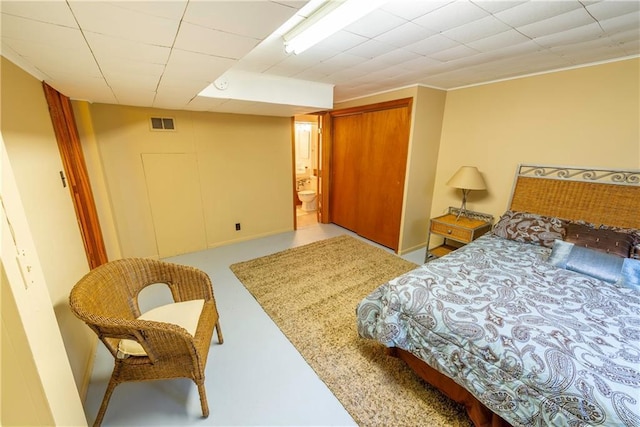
<point>173,9</point>
<point>397,56</point>
<point>479,29</point>
<point>412,9</point>
<point>629,21</point>
<point>433,44</point>
<point>405,35</point>
<point>55,13</point>
<point>341,41</point>
<point>105,47</point>
<point>534,11</point>
<point>610,9</point>
<point>340,61</point>
<point>574,35</point>
<point>232,17</point>
<point>375,23</point>
<point>450,16</point>
<point>507,38</point>
<point>494,6</point>
<point>139,73</point>
<point>115,19</point>
<point>454,53</point>
<point>197,66</point>
<point>18,28</point>
<point>370,49</point>
<point>566,21</point>
<point>121,83</point>
<point>268,53</point>
<point>92,89</point>
<point>135,97</point>
<point>194,38</point>
<point>423,63</point>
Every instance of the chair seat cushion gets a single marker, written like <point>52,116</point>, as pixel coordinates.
<point>185,314</point>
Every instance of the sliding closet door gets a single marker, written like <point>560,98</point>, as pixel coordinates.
<point>368,164</point>
<point>386,136</point>
<point>346,157</point>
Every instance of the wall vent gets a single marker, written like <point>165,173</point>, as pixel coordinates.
<point>162,123</point>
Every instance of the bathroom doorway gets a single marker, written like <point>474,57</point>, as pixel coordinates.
<point>306,149</point>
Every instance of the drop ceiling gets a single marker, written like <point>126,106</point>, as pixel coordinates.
<point>164,53</point>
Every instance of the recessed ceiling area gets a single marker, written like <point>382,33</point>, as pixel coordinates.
<point>164,53</point>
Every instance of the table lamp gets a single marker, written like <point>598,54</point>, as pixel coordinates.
<point>467,178</point>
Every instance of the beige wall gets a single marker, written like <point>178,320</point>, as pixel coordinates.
<point>428,112</point>
<point>588,117</point>
<point>244,166</point>
<point>33,152</point>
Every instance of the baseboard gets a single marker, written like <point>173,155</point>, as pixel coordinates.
<point>88,370</point>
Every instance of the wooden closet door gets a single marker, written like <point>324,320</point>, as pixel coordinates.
<point>385,139</point>
<point>346,157</point>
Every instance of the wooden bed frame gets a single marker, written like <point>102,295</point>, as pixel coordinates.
<point>598,196</point>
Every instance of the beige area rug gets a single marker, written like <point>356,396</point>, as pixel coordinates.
<point>311,293</point>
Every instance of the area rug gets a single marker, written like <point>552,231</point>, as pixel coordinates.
<point>311,293</point>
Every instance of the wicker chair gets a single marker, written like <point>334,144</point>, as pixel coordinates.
<point>106,299</point>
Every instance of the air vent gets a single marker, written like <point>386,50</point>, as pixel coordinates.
<point>162,123</point>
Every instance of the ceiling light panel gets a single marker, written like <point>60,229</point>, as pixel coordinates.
<point>330,18</point>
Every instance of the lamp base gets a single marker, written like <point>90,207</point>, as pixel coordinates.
<point>463,206</point>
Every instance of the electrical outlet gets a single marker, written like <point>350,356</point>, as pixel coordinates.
<point>237,226</point>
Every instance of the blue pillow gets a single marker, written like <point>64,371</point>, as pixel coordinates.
<point>587,261</point>
<point>630,274</point>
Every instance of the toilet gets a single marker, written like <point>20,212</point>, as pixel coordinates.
<point>308,199</point>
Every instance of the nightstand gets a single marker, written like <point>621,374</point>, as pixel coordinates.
<point>457,232</point>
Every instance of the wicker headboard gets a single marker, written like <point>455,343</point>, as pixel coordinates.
<point>599,196</point>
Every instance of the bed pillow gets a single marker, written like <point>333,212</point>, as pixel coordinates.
<point>530,228</point>
<point>635,235</point>
<point>597,264</point>
<point>630,274</point>
<point>601,239</point>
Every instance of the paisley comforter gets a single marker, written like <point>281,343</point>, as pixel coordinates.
<point>538,345</point>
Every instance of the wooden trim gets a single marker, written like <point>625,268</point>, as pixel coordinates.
<point>325,169</point>
<point>293,172</point>
<point>66,132</point>
<point>397,103</point>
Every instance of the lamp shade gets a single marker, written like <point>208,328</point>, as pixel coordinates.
<point>467,178</point>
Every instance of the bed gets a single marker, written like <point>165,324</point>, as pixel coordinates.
<point>538,322</point>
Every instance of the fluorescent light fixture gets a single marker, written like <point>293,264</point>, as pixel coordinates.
<point>328,19</point>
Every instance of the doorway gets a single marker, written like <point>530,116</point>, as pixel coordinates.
<point>306,154</point>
